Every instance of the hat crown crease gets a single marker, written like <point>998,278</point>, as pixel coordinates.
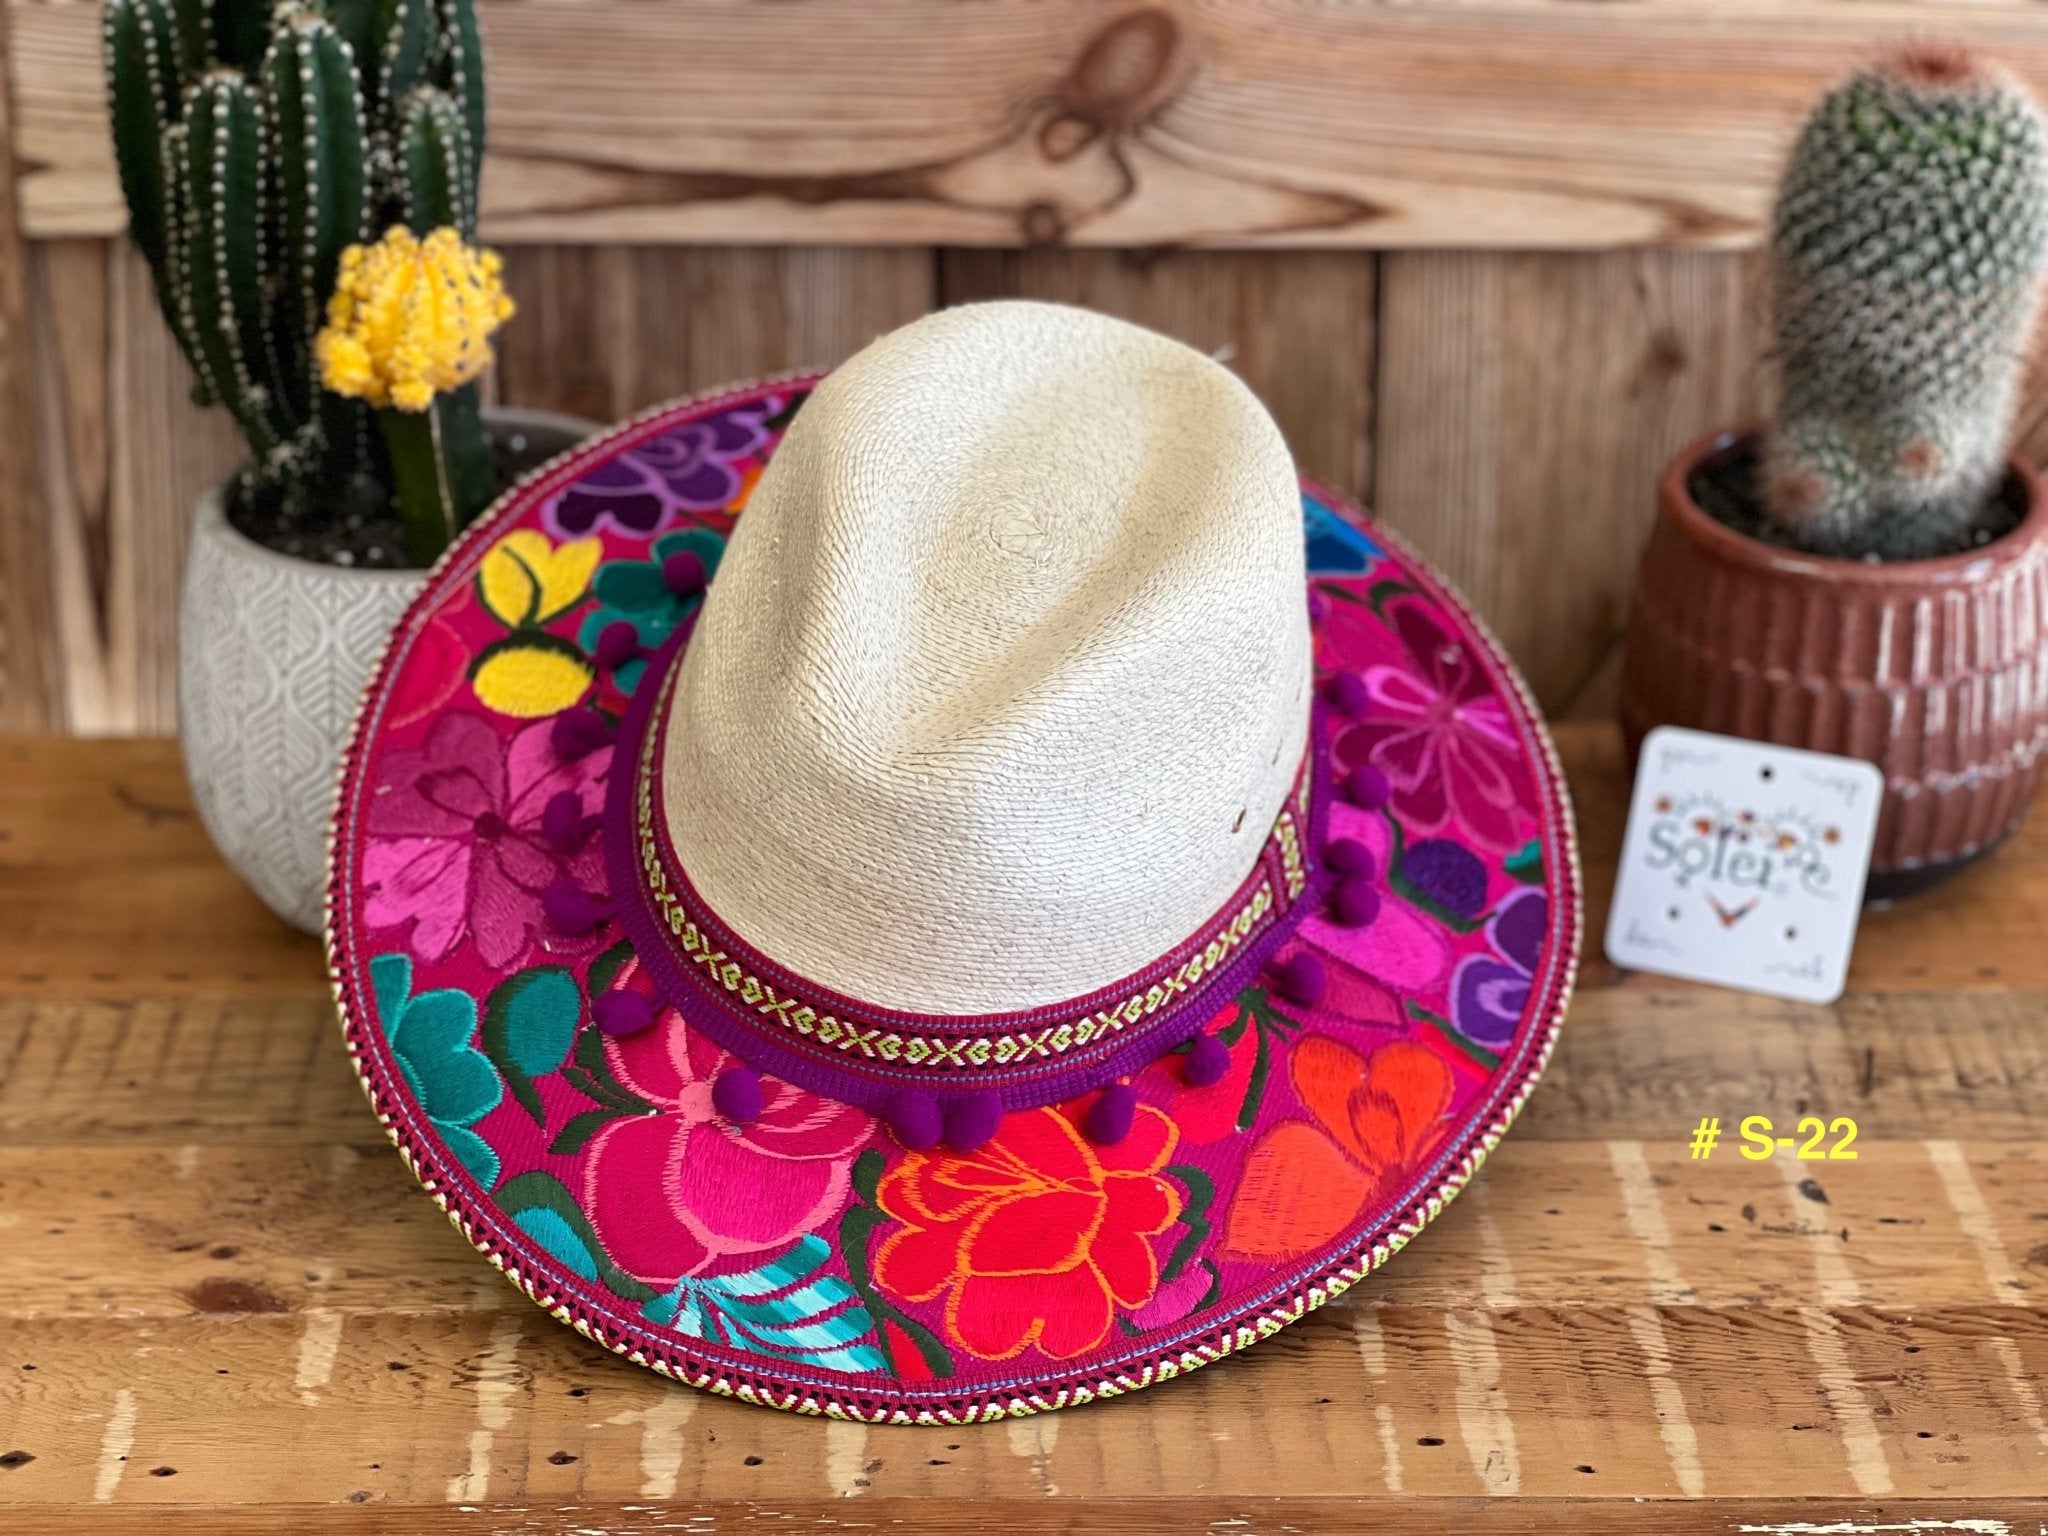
<point>1005,674</point>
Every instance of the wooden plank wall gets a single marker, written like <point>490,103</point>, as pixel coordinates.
<point>1505,258</point>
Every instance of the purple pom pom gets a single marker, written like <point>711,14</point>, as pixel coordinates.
<point>1346,693</point>
<point>1348,856</point>
<point>736,1094</point>
<point>622,1013</point>
<point>1318,606</point>
<point>578,733</point>
<point>1109,1118</point>
<point>972,1120</point>
<point>563,823</point>
<point>617,643</point>
<point>570,909</point>
<point>1206,1062</point>
<point>1367,788</point>
<point>1301,978</point>
<point>914,1119</point>
<point>1355,903</point>
<point>683,573</point>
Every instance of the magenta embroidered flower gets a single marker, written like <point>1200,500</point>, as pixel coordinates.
<point>688,1192</point>
<point>455,844</point>
<point>1440,732</point>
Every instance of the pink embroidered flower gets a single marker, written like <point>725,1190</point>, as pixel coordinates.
<point>1440,733</point>
<point>455,845</point>
<point>686,1191</point>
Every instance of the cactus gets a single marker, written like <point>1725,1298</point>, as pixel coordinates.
<point>255,144</point>
<point>1910,236</point>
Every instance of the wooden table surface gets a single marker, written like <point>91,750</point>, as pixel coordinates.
<point>225,1306</point>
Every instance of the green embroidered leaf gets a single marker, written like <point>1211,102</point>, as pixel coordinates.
<point>591,1076</point>
<point>856,1230</point>
<point>1449,1031</point>
<point>534,1192</point>
<point>606,967</point>
<point>1195,1217</point>
<point>1526,862</point>
<point>575,1136</point>
<point>1380,593</point>
<point>529,1023</point>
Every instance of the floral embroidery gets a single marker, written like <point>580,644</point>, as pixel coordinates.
<point>633,592</point>
<point>1035,1239</point>
<point>1372,1121</point>
<point>526,583</point>
<point>451,1080</point>
<point>455,844</point>
<point>1440,731</point>
<point>808,1260</point>
<point>693,467</point>
<point>685,1191</point>
<point>1490,992</point>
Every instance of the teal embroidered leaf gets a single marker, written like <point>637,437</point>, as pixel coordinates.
<point>788,1308</point>
<point>1526,863</point>
<point>529,1023</point>
<point>542,1208</point>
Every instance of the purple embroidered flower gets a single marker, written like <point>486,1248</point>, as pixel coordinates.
<point>1490,991</point>
<point>695,467</point>
<point>455,844</point>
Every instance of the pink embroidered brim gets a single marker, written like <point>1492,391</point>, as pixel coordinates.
<point>805,1259</point>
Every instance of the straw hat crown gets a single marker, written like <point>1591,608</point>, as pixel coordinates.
<point>1005,675</point>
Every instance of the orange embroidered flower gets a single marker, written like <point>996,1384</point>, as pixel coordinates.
<point>1037,1238</point>
<point>1374,1121</point>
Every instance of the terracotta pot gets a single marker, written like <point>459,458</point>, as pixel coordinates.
<point>272,655</point>
<point>1935,670</point>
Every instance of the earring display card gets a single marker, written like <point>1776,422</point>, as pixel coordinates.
<point>1743,864</point>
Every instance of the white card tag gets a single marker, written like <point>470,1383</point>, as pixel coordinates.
<point>1743,864</point>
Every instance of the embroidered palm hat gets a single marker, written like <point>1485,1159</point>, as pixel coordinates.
<point>948,890</point>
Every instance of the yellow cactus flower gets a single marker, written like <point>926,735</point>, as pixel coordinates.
<point>411,318</point>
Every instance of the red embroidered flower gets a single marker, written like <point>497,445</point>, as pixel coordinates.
<point>1440,732</point>
<point>1372,1122</point>
<point>1037,1238</point>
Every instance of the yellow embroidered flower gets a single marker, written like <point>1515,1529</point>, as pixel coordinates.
<point>524,579</point>
<point>411,318</point>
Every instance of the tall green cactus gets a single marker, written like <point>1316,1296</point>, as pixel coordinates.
<point>255,143</point>
<point>1910,239</point>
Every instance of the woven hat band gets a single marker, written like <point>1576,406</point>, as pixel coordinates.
<point>852,1050</point>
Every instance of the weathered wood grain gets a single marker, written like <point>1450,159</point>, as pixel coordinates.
<point>605,331</point>
<point>1118,1515</point>
<point>1528,404</point>
<point>1297,327</point>
<point>28,650</point>
<point>1513,123</point>
<point>164,451</point>
<point>270,1227</point>
<point>507,1406</point>
<point>69,321</point>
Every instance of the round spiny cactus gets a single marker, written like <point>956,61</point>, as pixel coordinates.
<point>1906,263</point>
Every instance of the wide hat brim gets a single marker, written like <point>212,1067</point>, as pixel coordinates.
<point>806,1260</point>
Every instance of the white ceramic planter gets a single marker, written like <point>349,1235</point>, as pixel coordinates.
<point>272,655</point>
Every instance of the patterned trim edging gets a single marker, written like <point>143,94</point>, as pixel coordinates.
<point>634,1340</point>
<point>958,1052</point>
